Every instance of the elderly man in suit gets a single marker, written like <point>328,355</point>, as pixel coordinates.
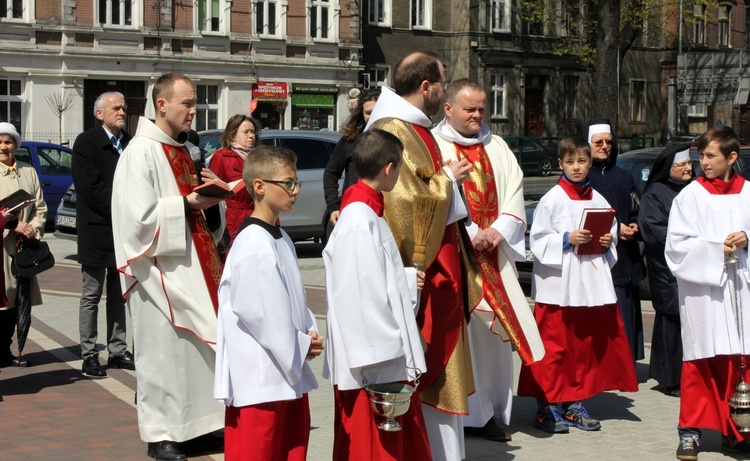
<point>95,155</point>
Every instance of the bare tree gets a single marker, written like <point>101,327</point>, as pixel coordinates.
<point>60,103</point>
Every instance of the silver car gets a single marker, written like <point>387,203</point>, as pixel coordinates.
<point>308,219</point>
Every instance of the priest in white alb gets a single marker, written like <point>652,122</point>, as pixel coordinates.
<point>494,194</point>
<point>170,270</point>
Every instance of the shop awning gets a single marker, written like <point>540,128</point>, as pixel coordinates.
<point>312,100</point>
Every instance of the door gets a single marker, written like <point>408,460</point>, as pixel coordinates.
<point>534,106</point>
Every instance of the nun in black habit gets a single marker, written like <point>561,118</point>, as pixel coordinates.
<point>672,171</point>
<point>618,187</point>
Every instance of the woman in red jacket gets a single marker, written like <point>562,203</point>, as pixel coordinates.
<point>241,134</point>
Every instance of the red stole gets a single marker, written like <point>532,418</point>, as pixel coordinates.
<point>442,313</point>
<point>576,191</point>
<point>183,169</point>
<point>481,196</point>
<point>718,186</point>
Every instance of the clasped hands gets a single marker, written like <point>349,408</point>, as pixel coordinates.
<point>316,345</point>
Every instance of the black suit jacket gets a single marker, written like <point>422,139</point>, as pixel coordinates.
<point>94,163</point>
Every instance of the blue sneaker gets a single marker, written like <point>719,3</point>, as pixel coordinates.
<point>577,416</point>
<point>549,420</point>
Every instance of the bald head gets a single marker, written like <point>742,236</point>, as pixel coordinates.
<point>415,68</point>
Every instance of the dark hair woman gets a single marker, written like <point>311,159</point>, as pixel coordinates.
<point>241,134</point>
<point>341,160</point>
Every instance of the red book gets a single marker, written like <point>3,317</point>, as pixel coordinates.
<point>598,221</point>
<point>219,188</point>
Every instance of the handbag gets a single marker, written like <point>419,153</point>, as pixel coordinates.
<point>32,258</point>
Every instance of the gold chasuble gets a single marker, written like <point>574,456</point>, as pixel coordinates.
<point>183,169</point>
<point>450,263</point>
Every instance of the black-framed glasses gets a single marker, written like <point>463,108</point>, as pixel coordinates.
<point>601,142</point>
<point>290,185</point>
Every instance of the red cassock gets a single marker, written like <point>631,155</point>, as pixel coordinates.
<point>705,387</point>
<point>272,431</point>
<point>587,353</point>
<point>357,436</point>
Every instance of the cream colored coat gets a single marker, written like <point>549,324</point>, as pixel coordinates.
<point>25,178</point>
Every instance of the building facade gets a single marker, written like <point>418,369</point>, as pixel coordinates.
<point>59,55</point>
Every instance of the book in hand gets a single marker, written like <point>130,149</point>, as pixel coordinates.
<point>598,221</point>
<point>219,188</point>
<point>17,201</point>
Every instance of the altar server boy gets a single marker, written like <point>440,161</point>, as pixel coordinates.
<point>576,306</point>
<point>266,332</point>
<point>373,336</point>
<point>708,223</point>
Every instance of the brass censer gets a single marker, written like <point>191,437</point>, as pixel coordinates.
<point>739,401</point>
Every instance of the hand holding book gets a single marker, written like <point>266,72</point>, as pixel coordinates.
<point>219,188</point>
<point>594,236</point>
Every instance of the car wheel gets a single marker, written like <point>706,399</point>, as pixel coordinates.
<point>545,167</point>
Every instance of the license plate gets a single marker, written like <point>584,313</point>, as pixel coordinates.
<point>529,256</point>
<point>65,221</point>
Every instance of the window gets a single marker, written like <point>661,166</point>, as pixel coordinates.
<point>208,15</point>
<point>378,78</point>
<point>637,96</point>
<point>699,25</point>
<point>571,93</point>
<point>10,102</point>
<point>698,110</point>
<point>379,12</point>
<point>116,12</point>
<point>570,18</point>
<point>421,14</point>
<point>500,16</point>
<point>321,20</point>
<point>207,108</point>
<point>268,18</point>
<point>723,17</point>
<point>11,9</point>
<point>498,89</point>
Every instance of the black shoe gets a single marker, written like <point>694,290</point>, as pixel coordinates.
<point>489,431</point>
<point>122,360</point>
<point>734,446</point>
<point>672,391</point>
<point>6,360</point>
<point>165,450</point>
<point>92,367</point>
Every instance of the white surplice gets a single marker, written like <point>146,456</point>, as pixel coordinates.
<point>559,277</point>
<point>372,327</point>
<point>491,353</point>
<point>263,322</point>
<point>699,223</point>
<point>174,323</point>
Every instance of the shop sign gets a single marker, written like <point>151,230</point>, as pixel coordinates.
<point>320,89</point>
<point>312,100</point>
<point>269,91</point>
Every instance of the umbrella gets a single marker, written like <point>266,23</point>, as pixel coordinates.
<point>23,321</point>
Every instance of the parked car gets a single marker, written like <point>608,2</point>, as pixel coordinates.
<point>308,219</point>
<point>532,156</point>
<point>52,163</point>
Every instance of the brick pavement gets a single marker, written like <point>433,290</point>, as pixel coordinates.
<point>52,412</point>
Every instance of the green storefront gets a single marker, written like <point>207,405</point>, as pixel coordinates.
<point>313,107</point>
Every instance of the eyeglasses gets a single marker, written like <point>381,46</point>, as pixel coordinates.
<point>682,165</point>
<point>290,185</point>
<point>601,142</point>
<point>444,84</point>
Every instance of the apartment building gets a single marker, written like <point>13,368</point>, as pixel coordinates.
<point>292,62</point>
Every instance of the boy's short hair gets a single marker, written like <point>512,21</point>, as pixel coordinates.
<point>373,150</point>
<point>264,162</point>
<point>572,144</point>
<point>724,136</point>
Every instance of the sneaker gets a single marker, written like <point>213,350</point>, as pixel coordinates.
<point>734,446</point>
<point>577,416</point>
<point>687,450</point>
<point>548,419</point>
